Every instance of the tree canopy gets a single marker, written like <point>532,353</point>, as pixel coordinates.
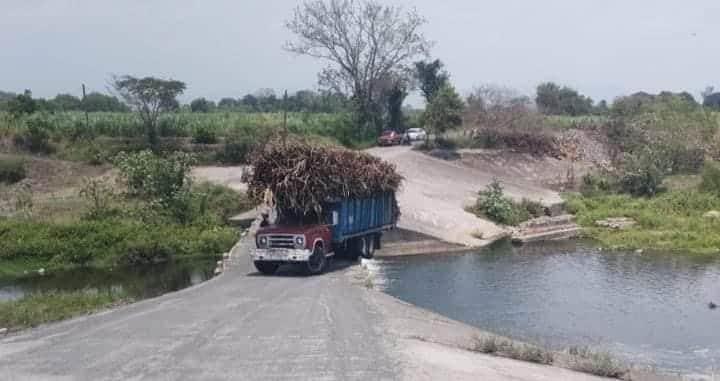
<point>444,112</point>
<point>363,42</point>
<point>431,77</point>
<point>555,100</point>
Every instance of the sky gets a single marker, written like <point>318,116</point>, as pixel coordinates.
<point>228,48</point>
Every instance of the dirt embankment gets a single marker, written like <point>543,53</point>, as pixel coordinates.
<point>436,191</point>
<point>47,180</point>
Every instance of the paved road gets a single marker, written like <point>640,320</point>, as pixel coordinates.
<point>239,326</point>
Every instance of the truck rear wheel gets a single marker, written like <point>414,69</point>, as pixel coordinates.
<point>317,261</point>
<point>267,268</point>
<point>368,247</point>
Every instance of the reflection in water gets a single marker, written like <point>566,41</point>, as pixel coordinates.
<point>138,282</point>
<point>649,308</point>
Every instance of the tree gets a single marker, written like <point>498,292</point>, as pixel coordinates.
<point>555,100</point>
<point>444,112</point>
<point>201,105</point>
<point>363,41</point>
<point>67,102</point>
<point>149,96</point>
<point>98,102</point>
<point>431,77</point>
<point>22,104</point>
<point>394,96</point>
<point>712,101</point>
<point>228,103</point>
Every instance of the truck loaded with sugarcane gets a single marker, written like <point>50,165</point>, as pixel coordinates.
<point>326,201</point>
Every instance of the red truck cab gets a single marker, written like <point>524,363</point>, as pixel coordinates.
<point>278,244</point>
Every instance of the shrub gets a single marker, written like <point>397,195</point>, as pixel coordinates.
<point>711,178</point>
<point>532,142</point>
<point>598,363</point>
<point>36,136</point>
<point>641,176</point>
<point>534,208</point>
<point>493,204</point>
<point>12,170</point>
<point>100,195</point>
<point>204,135</point>
<point>594,184</point>
<point>151,176</point>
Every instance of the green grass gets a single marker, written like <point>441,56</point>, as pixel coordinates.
<point>671,221</point>
<point>41,308</point>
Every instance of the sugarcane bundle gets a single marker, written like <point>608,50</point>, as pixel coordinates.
<point>303,176</point>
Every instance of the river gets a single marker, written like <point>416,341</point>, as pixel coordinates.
<point>647,308</point>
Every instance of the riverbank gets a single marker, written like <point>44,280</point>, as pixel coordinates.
<point>69,218</point>
<point>673,221</point>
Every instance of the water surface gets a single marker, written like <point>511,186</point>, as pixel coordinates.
<point>139,282</point>
<point>650,309</point>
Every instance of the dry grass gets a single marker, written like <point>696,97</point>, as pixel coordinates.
<point>579,359</point>
<point>302,176</point>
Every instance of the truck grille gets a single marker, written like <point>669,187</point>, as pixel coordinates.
<point>281,241</point>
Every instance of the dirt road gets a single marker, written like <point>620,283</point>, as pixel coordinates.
<point>436,191</point>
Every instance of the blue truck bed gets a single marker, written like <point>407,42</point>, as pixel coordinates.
<point>355,217</point>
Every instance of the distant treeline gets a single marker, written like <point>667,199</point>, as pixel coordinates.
<point>26,104</point>
<point>265,101</point>
<point>552,99</point>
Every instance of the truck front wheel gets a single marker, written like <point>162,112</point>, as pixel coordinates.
<point>267,268</point>
<point>317,261</point>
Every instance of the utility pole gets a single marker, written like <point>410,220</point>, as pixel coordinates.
<point>87,118</point>
<point>285,129</point>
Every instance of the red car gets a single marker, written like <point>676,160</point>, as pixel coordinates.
<point>389,138</point>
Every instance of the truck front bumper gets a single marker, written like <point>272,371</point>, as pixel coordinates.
<point>281,255</point>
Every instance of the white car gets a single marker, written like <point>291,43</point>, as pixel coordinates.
<point>413,134</point>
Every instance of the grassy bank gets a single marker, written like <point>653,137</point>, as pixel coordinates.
<point>670,221</point>
<point>150,211</point>
<point>29,245</point>
<point>43,308</point>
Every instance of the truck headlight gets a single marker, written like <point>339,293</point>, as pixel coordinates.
<point>299,241</point>
<point>262,241</point>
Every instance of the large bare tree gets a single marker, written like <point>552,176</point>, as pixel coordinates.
<point>363,42</point>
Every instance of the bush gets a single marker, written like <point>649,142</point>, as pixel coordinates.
<point>711,178</point>
<point>12,170</point>
<point>532,142</point>
<point>151,176</point>
<point>598,363</point>
<point>641,176</point>
<point>36,136</point>
<point>204,135</point>
<point>101,195</point>
<point>493,204</point>
<point>593,184</point>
